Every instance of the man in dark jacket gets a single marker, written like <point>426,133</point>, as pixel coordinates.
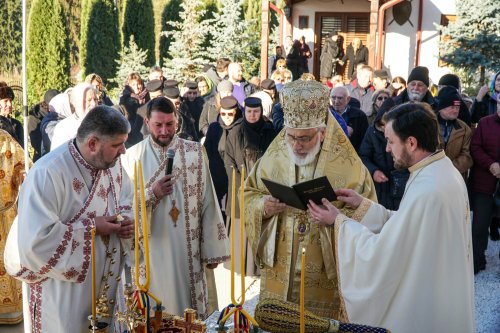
<point>355,119</point>
<point>362,89</point>
<point>35,117</point>
<point>8,123</point>
<point>417,89</point>
<point>356,53</point>
<point>194,103</point>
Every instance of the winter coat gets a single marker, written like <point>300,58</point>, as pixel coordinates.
<point>208,115</point>
<point>47,126</point>
<point>481,109</point>
<point>458,147</point>
<point>131,104</point>
<point>303,49</point>
<point>218,131</point>
<point>293,60</point>
<point>372,153</point>
<point>245,144</point>
<point>195,108</point>
<point>363,95</point>
<point>361,56</point>
<point>187,128</point>
<point>329,54</point>
<point>403,98</point>
<point>485,150</point>
<point>357,120</point>
<point>36,115</point>
<point>13,127</point>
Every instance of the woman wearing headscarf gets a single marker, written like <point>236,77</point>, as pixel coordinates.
<point>134,95</point>
<point>485,102</point>
<point>215,143</point>
<point>101,91</point>
<point>245,144</point>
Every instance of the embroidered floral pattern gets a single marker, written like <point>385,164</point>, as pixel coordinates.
<point>221,231</point>
<point>77,185</point>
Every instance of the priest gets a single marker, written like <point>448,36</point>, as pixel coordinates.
<point>408,270</point>
<point>311,145</point>
<point>75,188</point>
<point>187,236</point>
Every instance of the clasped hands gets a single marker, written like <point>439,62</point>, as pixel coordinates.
<point>324,214</point>
<point>106,225</point>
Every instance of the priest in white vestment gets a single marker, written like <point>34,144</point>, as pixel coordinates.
<point>187,233</point>
<point>73,189</point>
<point>408,270</point>
<point>83,99</point>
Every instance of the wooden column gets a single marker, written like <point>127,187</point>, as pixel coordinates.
<point>372,47</point>
<point>264,40</point>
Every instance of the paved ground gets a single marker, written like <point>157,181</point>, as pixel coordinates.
<point>487,284</point>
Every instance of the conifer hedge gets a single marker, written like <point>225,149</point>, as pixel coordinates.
<point>138,20</point>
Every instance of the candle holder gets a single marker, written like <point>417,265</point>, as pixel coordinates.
<point>97,326</point>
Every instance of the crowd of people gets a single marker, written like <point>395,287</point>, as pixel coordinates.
<point>397,142</point>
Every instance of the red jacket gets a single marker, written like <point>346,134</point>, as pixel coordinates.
<point>485,150</point>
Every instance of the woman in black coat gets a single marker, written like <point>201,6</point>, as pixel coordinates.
<point>330,53</point>
<point>215,143</point>
<point>389,182</point>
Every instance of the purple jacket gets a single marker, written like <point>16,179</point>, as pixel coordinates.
<point>485,150</point>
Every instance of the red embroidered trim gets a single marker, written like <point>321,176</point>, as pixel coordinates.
<point>35,305</point>
<point>77,185</point>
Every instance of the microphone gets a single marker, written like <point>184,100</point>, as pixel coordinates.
<point>170,161</point>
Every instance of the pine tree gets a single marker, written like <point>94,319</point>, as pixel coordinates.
<point>138,20</point>
<point>171,13</point>
<point>132,60</point>
<point>10,35</point>
<point>47,53</point>
<point>100,47</point>
<point>231,38</point>
<point>474,38</point>
<point>253,12</point>
<point>187,53</point>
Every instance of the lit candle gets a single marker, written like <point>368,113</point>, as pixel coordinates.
<point>136,227</point>
<point>302,278</point>
<point>242,235</point>
<point>233,217</point>
<point>144,225</point>
<point>92,232</point>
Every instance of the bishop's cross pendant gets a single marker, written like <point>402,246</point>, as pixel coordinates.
<point>174,213</point>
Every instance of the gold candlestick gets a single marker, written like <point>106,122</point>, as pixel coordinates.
<point>302,302</point>
<point>242,234</point>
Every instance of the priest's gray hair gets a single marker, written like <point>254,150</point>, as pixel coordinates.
<point>103,122</point>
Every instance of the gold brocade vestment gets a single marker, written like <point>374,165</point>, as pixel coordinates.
<point>277,241</point>
<point>11,168</point>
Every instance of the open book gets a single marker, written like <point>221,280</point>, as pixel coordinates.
<point>298,195</point>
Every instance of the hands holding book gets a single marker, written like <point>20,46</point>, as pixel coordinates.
<point>326,213</point>
<point>272,206</point>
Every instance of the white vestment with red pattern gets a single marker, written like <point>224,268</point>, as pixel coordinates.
<point>49,245</point>
<point>180,250</point>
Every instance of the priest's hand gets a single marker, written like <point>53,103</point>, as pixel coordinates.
<point>127,228</point>
<point>352,198</point>
<point>324,214</point>
<point>163,186</point>
<point>106,225</point>
<point>272,206</point>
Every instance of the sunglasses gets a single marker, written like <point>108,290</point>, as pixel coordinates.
<point>380,98</point>
<point>228,114</point>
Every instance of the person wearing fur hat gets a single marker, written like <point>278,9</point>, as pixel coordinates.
<point>417,89</point>
<point>454,134</point>
<point>8,123</point>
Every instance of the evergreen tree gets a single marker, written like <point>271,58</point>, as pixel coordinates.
<point>47,53</point>
<point>231,38</point>
<point>138,20</point>
<point>253,15</point>
<point>132,59</point>
<point>211,9</point>
<point>171,13</point>
<point>474,38</point>
<point>187,53</point>
<point>73,12</point>
<point>99,48</point>
<point>10,36</point>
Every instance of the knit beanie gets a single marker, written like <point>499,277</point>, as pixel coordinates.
<point>419,73</point>
<point>449,80</point>
<point>448,96</point>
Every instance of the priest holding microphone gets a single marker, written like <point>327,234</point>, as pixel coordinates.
<point>187,236</point>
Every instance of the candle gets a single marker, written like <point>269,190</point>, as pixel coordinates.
<point>302,278</point>
<point>144,225</point>
<point>136,227</point>
<point>242,235</point>
<point>93,275</point>
<point>233,217</point>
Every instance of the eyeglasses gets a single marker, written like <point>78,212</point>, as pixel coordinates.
<point>381,98</point>
<point>301,140</point>
<point>228,114</point>
<point>337,97</point>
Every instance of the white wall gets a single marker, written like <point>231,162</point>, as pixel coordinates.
<point>400,46</point>
<point>309,8</point>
